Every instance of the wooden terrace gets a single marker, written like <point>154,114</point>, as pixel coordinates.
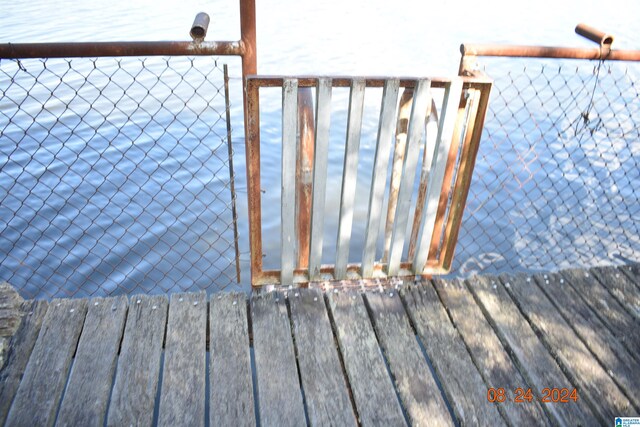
<point>430,353</point>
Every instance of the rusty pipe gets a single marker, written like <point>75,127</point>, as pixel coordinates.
<point>199,27</point>
<point>597,36</point>
<point>304,174</point>
<point>548,52</point>
<point>115,49</point>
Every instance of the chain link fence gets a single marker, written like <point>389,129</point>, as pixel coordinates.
<point>114,176</point>
<point>557,178</point>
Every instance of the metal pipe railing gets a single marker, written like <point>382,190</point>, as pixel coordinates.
<point>549,52</point>
<point>118,49</point>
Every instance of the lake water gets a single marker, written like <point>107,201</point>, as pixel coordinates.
<point>376,38</point>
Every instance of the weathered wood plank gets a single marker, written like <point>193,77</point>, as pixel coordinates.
<point>349,176</point>
<point>10,315</point>
<point>461,381</point>
<point>372,388</point>
<point>620,322</point>
<point>607,399</point>
<point>517,335</point>
<point>632,271</point>
<point>279,395</point>
<point>450,104</point>
<point>182,397</point>
<point>288,183</point>
<point>619,363</point>
<point>488,353</point>
<point>230,380</point>
<point>419,110</point>
<point>416,386</point>
<point>386,130</point>
<point>136,383</point>
<point>87,393</point>
<point>323,382</point>
<point>321,153</point>
<point>625,291</point>
<point>40,390</point>
<point>20,348</point>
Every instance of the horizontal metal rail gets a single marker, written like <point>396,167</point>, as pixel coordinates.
<point>117,49</point>
<point>549,52</point>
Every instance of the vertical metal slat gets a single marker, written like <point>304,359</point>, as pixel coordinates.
<point>349,176</point>
<point>323,119</point>
<point>421,102</point>
<point>386,129</point>
<point>450,105</point>
<point>288,206</point>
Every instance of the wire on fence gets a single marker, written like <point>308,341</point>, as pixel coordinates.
<point>114,176</point>
<point>556,178</point>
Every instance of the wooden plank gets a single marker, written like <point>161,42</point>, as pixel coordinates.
<point>231,384</point>
<point>621,287</point>
<point>10,315</point>
<point>415,384</point>
<point>87,393</point>
<point>386,130</point>
<point>19,351</point>
<point>182,397</point>
<point>419,110</point>
<point>372,388</point>
<point>349,176</point>
<point>321,153</point>
<point>279,395</point>
<point>620,322</point>
<point>136,384</point>
<point>617,360</point>
<point>632,271</point>
<point>323,382</point>
<point>288,183</point>
<point>462,383</point>
<point>446,128</point>
<point>40,390</point>
<point>489,355</point>
<point>539,367</point>
<point>607,399</point>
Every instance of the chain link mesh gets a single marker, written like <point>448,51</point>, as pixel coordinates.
<point>114,176</point>
<point>557,178</point>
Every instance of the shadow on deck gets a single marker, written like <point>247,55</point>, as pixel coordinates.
<point>431,353</point>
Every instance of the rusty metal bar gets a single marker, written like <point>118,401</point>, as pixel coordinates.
<point>327,273</point>
<point>234,211</point>
<point>118,49</point>
<point>463,178</point>
<point>304,174</point>
<point>252,154</point>
<point>595,35</point>
<point>549,52</point>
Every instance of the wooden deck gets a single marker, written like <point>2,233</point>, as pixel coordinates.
<point>417,354</point>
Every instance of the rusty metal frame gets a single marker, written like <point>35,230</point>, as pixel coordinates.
<point>477,87</point>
